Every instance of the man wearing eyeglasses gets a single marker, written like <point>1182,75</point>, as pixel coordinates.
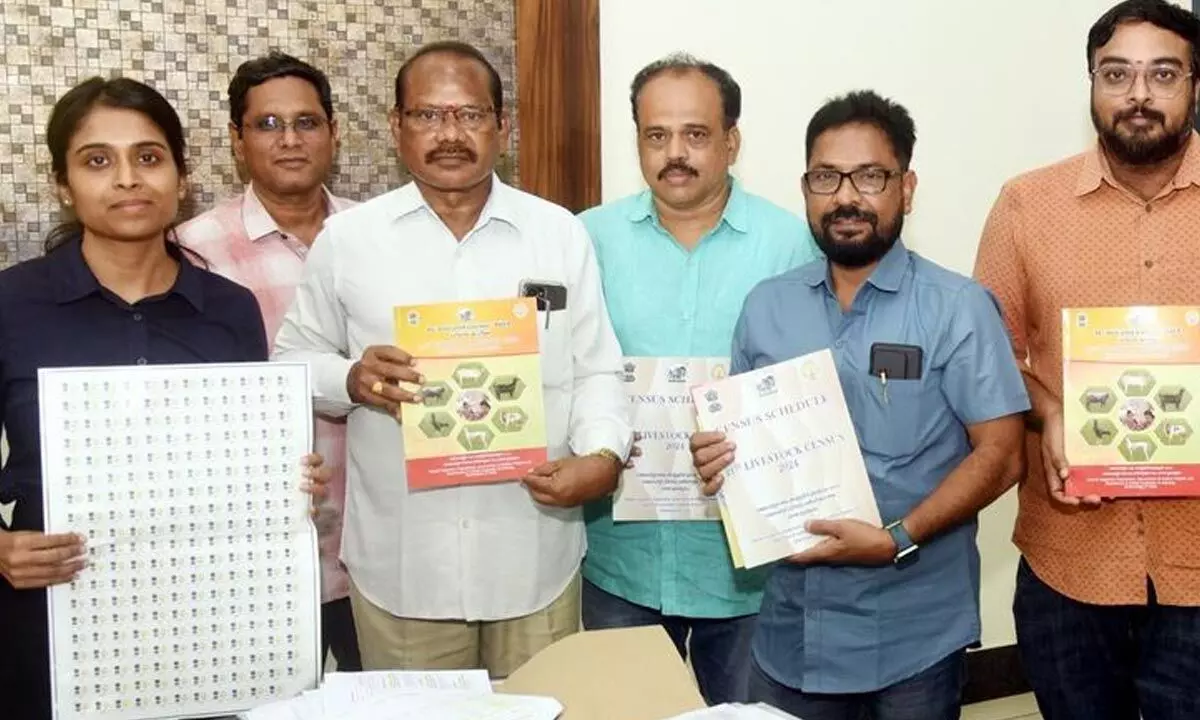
<point>284,138</point>
<point>472,576</point>
<point>874,622</point>
<point>1107,605</point>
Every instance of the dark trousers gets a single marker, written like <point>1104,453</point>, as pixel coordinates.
<point>935,694</point>
<point>338,635</point>
<point>1094,662</point>
<point>720,648</point>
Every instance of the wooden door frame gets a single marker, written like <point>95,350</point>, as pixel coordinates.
<point>558,100</point>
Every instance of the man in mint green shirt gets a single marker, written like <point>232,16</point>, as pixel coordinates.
<point>676,261</point>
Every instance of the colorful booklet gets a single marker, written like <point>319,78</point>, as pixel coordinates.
<point>797,456</point>
<point>482,418</point>
<point>1129,378</point>
<point>662,485</point>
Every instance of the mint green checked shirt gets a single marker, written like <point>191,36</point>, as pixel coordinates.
<point>665,301</point>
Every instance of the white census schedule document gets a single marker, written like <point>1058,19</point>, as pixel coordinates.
<point>202,595</point>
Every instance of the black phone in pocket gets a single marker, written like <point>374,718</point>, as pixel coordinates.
<point>550,296</point>
<point>899,362</point>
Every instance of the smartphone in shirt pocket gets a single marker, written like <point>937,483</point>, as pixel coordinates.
<point>554,332</point>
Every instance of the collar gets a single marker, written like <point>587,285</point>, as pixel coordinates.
<point>736,213</point>
<point>76,280</point>
<point>259,223</point>
<point>887,276</point>
<point>501,203</point>
<point>1096,169</point>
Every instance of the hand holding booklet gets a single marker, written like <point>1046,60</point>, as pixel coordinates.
<point>797,456</point>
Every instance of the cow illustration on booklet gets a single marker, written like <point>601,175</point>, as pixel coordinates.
<point>481,418</point>
<point>1128,379</point>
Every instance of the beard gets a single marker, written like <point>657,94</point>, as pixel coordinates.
<point>855,253</point>
<point>1142,148</point>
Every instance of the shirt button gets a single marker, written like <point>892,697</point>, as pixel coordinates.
<point>466,524</point>
<point>1149,263</point>
<point>141,361</point>
<point>137,317</point>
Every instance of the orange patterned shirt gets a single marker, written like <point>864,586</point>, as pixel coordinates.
<point>1068,235</point>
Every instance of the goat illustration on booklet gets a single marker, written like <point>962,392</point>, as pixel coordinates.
<point>481,418</point>
<point>1129,375</point>
<point>797,458</point>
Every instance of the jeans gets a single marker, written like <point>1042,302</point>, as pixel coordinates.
<point>1095,662</point>
<point>935,694</point>
<point>720,647</point>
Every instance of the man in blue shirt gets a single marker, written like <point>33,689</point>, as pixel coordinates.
<point>676,262</point>
<point>865,624</point>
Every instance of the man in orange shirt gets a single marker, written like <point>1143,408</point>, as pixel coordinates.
<point>1108,592</point>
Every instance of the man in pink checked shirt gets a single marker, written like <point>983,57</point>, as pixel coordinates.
<point>284,135</point>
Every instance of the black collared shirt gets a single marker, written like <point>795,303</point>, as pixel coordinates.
<point>54,313</point>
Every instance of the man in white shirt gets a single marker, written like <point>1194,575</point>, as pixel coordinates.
<point>480,575</point>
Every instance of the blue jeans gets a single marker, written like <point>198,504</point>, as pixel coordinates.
<point>935,694</point>
<point>720,648</point>
<point>1094,662</point>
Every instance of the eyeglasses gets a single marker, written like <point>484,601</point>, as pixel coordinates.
<point>1163,81</point>
<point>468,117</point>
<point>866,180</point>
<point>276,124</point>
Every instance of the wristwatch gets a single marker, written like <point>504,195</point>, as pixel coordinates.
<point>906,549</point>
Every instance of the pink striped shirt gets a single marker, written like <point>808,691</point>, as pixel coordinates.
<point>241,241</point>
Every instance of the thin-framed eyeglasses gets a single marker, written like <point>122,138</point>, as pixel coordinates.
<point>1164,81</point>
<point>468,117</point>
<point>866,180</point>
<point>301,124</point>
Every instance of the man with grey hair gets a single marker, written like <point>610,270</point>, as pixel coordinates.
<point>676,261</point>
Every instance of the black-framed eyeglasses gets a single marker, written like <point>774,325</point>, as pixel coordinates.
<point>468,117</point>
<point>1164,81</point>
<point>276,124</point>
<point>866,180</point>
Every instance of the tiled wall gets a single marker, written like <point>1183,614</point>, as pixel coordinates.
<point>188,50</point>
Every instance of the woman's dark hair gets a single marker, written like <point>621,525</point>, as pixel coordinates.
<point>70,111</point>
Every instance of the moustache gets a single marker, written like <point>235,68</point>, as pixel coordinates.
<point>678,166</point>
<point>451,151</point>
<point>1148,113</point>
<point>849,212</point>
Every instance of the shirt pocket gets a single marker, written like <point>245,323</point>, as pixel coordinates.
<point>893,419</point>
<point>554,344</point>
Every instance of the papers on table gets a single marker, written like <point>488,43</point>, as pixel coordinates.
<point>432,695</point>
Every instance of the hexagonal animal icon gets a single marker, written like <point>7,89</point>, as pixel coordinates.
<point>1098,399</point>
<point>1099,431</point>
<point>1136,383</point>
<point>1137,447</point>
<point>1174,431</point>
<point>1173,398</point>
<point>509,419</point>
<point>435,394</point>
<point>475,437</point>
<point>507,388</point>
<point>436,424</point>
<point>471,375</point>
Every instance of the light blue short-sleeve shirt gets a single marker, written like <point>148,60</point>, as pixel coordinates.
<point>842,629</point>
<point>666,301</point>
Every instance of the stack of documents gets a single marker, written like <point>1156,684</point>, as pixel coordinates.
<point>449,695</point>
